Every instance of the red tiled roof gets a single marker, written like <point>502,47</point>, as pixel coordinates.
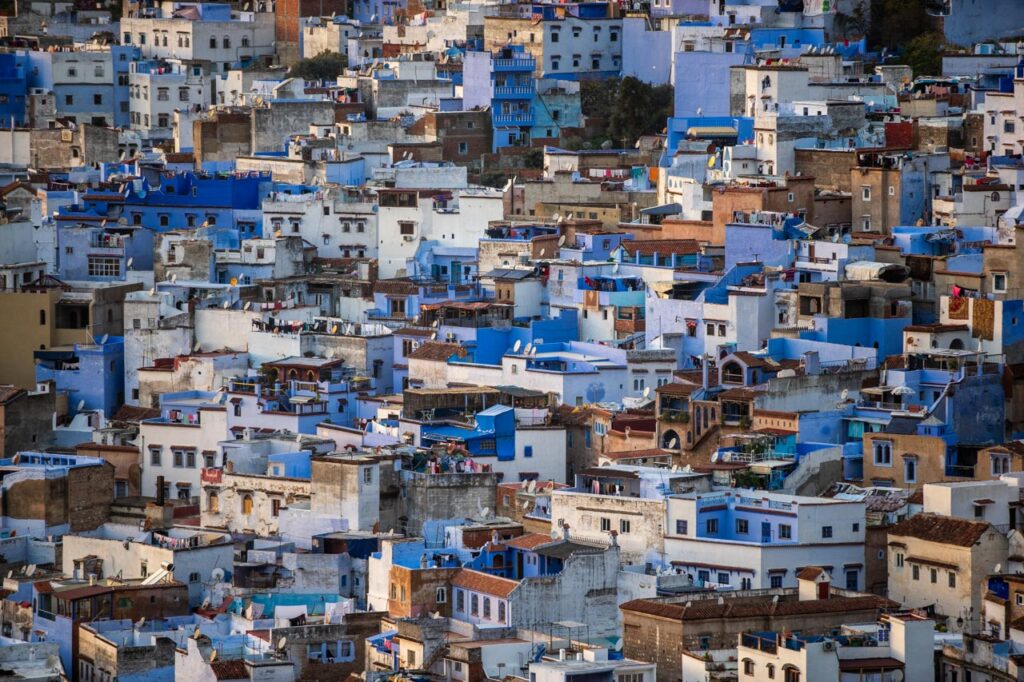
<point>438,351</point>
<point>229,670</point>
<point>809,573</point>
<point>475,581</point>
<point>743,608</point>
<point>662,246</point>
<point>941,529</point>
<point>529,541</point>
<point>9,393</point>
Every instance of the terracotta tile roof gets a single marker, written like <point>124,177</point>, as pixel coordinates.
<point>10,187</point>
<point>1015,447</point>
<point>475,581</point>
<point>676,388</point>
<point>633,454</point>
<point>941,529</point>
<point>9,393</point>
<point>415,331</point>
<point>661,246</point>
<point>529,541</point>
<point>229,670</point>
<point>395,286</point>
<point>760,607</point>
<point>131,413</point>
<point>438,351</point>
<point>809,573</point>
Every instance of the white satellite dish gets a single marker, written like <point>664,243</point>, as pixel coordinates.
<point>561,240</point>
<point>152,292</point>
<point>534,351</point>
<point>542,252</point>
<point>130,262</point>
<point>647,391</point>
<point>142,621</point>
<point>516,346</point>
<point>672,444</point>
<point>174,277</point>
<point>104,338</point>
<point>81,404</point>
<point>196,347</point>
<point>213,656</point>
<point>529,347</point>
<point>282,643</point>
<point>217,575</point>
<point>227,304</point>
<point>845,394</point>
<point>435,323</point>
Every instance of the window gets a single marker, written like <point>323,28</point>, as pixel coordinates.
<point>865,193</point>
<point>785,531</point>
<point>460,600</point>
<point>712,526</point>
<point>933,574</point>
<point>275,507</point>
<point>882,450</point>
<point>915,572</point>
<point>163,94</point>
<point>69,99</point>
<point>999,282</point>
<point>775,581</point>
<point>748,666</point>
<point>951,579</point>
<point>463,148</point>
<point>97,99</point>
<point>681,527</point>
<point>624,526</point>
<point>368,475</point>
<point>1000,464</point>
<point>899,559</point>
<point>474,605</point>
<point>826,531</point>
<point>501,612</point>
<point>247,505</point>
<point>154,456</point>
<point>213,42</point>
<point>441,595</point>
<point>528,451</point>
<point>606,524</point>
<point>487,607</point>
<point>910,470</point>
<point>741,526</point>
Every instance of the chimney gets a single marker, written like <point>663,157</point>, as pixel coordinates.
<point>160,497</point>
<point>812,365</point>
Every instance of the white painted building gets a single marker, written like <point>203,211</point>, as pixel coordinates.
<point>755,539</point>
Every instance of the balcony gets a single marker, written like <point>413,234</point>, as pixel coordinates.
<point>513,91</point>
<point>515,64</point>
<point>520,118</point>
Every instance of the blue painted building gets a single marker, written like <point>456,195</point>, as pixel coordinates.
<point>91,374</point>
<point>512,92</point>
<point>186,200</point>
<point>102,253</point>
<point>13,88</point>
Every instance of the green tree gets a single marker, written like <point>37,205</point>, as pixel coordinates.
<point>323,67</point>
<point>924,54</point>
<point>639,108</point>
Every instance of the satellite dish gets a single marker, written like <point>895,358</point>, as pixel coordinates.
<point>529,347</point>
<point>227,304</point>
<point>174,277</point>
<point>433,336</point>
<point>282,643</point>
<point>152,292</point>
<point>104,338</point>
<point>51,662</point>
<point>196,633</point>
<point>213,656</point>
<point>81,404</point>
<point>672,444</point>
<point>561,240</point>
<point>217,575</point>
<point>647,391</point>
<point>516,346</point>
<point>999,568</point>
<point>845,394</point>
<point>196,347</point>
<point>206,603</point>
<point>142,621</point>
<point>435,323</point>
<point>130,262</point>
<point>248,304</point>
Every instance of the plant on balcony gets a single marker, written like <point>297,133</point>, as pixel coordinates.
<point>745,422</point>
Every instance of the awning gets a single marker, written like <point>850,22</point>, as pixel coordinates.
<point>711,131</point>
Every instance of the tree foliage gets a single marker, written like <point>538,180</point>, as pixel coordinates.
<point>628,107</point>
<point>924,54</point>
<point>324,66</point>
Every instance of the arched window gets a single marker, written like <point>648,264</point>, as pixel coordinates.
<point>441,595</point>
<point>213,42</point>
<point>213,503</point>
<point>227,41</point>
<point>247,504</point>
<point>245,41</point>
